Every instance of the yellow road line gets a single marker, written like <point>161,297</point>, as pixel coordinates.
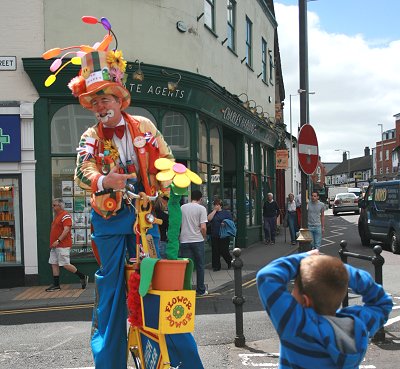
<point>51,308</point>
<point>252,282</point>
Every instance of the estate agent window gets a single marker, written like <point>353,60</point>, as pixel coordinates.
<point>250,184</point>
<point>210,162</point>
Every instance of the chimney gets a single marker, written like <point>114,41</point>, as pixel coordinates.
<point>344,155</point>
<point>366,151</point>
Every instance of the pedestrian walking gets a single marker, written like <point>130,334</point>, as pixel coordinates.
<point>270,213</point>
<point>298,211</point>
<point>161,212</point>
<point>193,233</point>
<point>316,219</point>
<point>219,246</point>
<point>60,246</point>
<point>291,217</point>
<point>314,332</point>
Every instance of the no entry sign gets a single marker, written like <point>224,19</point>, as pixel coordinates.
<point>308,149</point>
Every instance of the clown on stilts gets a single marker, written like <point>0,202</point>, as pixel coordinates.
<point>122,150</point>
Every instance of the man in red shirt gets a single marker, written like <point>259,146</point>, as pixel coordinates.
<point>60,246</point>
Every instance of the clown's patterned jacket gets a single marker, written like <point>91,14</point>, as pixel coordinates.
<point>96,156</point>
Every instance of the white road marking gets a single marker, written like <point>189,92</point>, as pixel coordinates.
<point>250,360</point>
<point>335,233</point>
<point>392,320</point>
<point>59,344</point>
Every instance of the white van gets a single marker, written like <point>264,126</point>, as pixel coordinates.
<point>355,190</point>
<point>332,192</point>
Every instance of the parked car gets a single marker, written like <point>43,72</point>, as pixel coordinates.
<point>332,192</point>
<point>380,215</point>
<point>345,202</point>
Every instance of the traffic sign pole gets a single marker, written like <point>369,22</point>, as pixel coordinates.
<point>308,160</point>
<point>304,237</point>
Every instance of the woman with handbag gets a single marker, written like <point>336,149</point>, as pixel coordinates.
<point>219,246</point>
<point>291,217</point>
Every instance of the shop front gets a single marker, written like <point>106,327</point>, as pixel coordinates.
<point>207,128</point>
<point>11,255</point>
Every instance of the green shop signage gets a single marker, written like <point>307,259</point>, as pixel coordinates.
<point>156,90</point>
<point>249,126</point>
<point>239,120</point>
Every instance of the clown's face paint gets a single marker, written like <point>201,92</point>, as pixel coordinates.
<point>105,117</point>
<point>107,109</point>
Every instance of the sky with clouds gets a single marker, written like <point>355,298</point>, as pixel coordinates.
<point>354,57</point>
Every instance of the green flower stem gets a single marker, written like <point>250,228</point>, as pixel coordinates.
<point>174,227</point>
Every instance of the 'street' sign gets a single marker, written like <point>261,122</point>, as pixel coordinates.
<point>8,63</point>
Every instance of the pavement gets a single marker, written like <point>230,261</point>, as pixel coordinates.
<point>254,257</point>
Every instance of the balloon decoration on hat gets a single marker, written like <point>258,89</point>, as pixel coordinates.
<point>102,70</point>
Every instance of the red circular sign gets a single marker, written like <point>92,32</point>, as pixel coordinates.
<point>308,149</point>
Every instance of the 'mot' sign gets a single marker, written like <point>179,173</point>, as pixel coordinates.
<point>308,149</point>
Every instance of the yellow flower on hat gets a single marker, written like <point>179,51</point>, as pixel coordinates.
<point>177,172</point>
<point>115,59</point>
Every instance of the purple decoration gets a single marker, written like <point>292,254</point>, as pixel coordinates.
<point>106,24</point>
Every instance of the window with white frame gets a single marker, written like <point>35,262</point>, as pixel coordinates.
<point>264,59</point>
<point>249,42</point>
<point>387,155</point>
<point>175,129</point>
<point>271,67</point>
<point>231,9</point>
<point>209,14</point>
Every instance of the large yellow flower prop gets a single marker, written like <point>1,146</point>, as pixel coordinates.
<point>180,175</point>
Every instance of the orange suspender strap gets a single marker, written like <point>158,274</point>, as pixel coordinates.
<point>141,152</point>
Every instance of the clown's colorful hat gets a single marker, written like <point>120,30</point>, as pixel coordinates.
<point>102,72</point>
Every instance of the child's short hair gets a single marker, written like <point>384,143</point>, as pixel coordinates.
<point>218,202</point>
<point>324,279</point>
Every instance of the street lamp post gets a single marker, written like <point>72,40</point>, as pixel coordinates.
<point>305,236</point>
<point>291,144</point>
<point>381,125</point>
<point>348,164</point>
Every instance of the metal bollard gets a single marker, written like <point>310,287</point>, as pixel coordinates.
<point>378,262</point>
<point>238,299</point>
